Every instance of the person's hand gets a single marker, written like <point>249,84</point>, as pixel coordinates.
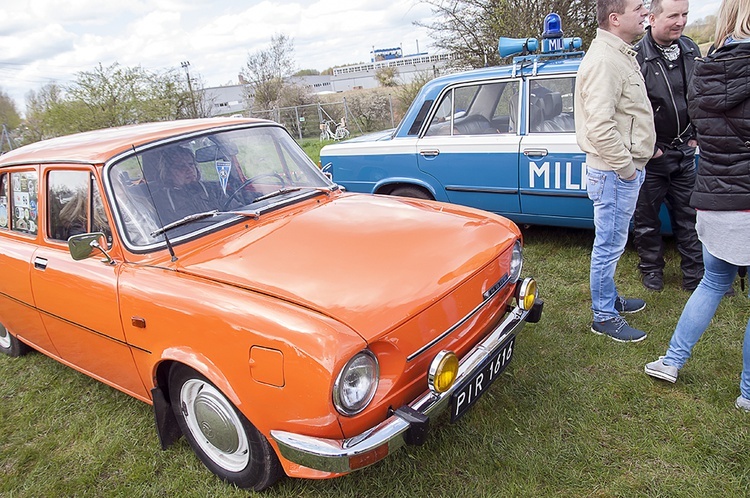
<point>692,143</point>
<point>658,153</point>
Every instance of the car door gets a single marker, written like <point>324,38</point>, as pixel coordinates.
<point>19,234</point>
<point>471,145</point>
<point>78,299</point>
<point>553,167</point>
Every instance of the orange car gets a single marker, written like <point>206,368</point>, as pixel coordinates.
<point>208,268</point>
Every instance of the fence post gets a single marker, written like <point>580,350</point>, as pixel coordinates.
<point>299,126</point>
<point>390,105</point>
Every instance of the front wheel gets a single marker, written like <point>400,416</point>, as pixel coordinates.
<point>10,345</point>
<point>410,191</point>
<point>222,437</point>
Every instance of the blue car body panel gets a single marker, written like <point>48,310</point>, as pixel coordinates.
<point>521,161</point>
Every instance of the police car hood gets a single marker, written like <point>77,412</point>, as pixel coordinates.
<point>370,262</point>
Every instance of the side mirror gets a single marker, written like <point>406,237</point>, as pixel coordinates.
<point>81,246</point>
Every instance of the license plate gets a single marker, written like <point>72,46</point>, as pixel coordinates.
<point>480,380</point>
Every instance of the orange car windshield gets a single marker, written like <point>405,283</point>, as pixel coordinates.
<point>191,185</point>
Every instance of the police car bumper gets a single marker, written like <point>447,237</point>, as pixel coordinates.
<point>408,424</point>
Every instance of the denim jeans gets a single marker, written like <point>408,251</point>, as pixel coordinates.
<point>614,204</point>
<point>698,312</point>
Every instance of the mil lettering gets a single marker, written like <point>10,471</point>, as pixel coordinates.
<point>553,172</point>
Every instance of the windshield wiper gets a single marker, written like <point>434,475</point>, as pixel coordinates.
<point>286,190</point>
<point>281,191</point>
<point>185,220</point>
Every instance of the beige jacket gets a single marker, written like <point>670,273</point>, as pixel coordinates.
<point>614,119</point>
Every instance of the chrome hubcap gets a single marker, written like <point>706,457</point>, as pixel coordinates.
<point>215,425</point>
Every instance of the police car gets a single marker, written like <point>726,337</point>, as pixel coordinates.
<point>501,139</point>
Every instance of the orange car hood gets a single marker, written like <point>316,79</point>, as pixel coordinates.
<point>370,262</point>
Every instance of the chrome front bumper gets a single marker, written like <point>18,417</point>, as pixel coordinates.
<point>346,455</point>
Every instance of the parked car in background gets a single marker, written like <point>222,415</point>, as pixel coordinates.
<point>208,268</point>
<point>501,139</point>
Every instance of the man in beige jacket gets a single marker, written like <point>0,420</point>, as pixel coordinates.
<point>615,128</point>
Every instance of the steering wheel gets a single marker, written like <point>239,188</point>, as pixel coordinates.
<point>247,182</point>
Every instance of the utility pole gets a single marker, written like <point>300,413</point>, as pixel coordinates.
<point>185,65</point>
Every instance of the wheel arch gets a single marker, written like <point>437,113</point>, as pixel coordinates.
<point>386,187</point>
<point>166,424</point>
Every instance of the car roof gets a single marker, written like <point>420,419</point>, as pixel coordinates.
<point>97,147</point>
<point>543,66</point>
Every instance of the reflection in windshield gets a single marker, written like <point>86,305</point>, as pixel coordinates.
<point>218,172</point>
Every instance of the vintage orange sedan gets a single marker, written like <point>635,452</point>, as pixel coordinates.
<point>283,326</point>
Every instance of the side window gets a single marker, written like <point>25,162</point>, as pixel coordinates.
<point>74,205</point>
<point>480,109</point>
<point>551,105</point>
<point>18,202</point>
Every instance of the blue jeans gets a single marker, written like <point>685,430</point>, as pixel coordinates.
<point>698,312</point>
<point>614,204</point>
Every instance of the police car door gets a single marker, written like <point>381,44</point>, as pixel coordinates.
<point>553,169</point>
<point>470,145</point>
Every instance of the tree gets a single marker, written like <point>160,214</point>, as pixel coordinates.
<point>43,110</point>
<point>111,96</point>
<point>266,71</point>
<point>471,28</point>
<point>386,76</point>
<point>8,113</point>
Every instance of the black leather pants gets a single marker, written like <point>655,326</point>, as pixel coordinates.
<point>670,178</point>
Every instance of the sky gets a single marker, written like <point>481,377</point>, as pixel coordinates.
<point>42,41</point>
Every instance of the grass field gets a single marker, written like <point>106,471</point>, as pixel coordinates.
<point>574,414</point>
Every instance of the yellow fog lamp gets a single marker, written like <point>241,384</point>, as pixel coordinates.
<point>443,371</point>
<point>527,292</point>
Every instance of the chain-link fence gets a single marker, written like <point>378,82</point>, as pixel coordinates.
<point>326,120</point>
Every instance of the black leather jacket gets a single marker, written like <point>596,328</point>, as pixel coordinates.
<point>719,104</point>
<point>667,87</point>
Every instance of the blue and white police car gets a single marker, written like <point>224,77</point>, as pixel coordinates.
<point>501,139</point>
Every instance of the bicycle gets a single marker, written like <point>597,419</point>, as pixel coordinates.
<point>328,133</point>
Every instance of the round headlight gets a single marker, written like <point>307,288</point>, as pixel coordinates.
<point>516,262</point>
<point>356,384</point>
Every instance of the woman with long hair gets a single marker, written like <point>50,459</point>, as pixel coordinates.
<point>719,105</point>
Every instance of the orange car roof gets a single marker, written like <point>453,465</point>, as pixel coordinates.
<point>96,147</point>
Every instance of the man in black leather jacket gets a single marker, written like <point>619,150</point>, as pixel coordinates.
<point>667,59</point>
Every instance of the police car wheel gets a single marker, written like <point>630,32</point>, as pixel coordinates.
<point>414,192</point>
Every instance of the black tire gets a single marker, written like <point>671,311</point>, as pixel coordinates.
<point>233,449</point>
<point>10,345</point>
<point>414,192</point>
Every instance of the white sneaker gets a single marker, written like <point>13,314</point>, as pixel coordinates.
<point>742,403</point>
<point>661,371</point>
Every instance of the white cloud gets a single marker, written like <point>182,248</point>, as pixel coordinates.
<point>44,40</point>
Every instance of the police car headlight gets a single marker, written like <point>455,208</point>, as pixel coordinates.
<point>356,384</point>
<point>516,262</point>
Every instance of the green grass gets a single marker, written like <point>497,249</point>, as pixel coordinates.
<point>574,414</point>
<point>312,147</point>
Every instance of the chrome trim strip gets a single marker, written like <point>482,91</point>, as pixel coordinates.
<point>333,455</point>
<point>463,320</point>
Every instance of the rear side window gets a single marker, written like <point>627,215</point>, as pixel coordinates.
<point>18,202</point>
<point>551,105</point>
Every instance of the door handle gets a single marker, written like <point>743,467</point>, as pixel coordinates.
<point>535,153</point>
<point>40,263</point>
<point>429,152</point>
